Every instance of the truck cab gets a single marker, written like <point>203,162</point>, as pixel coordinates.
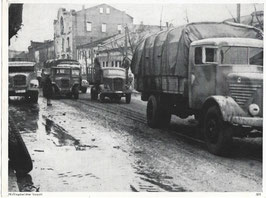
<point>22,80</point>
<point>226,84</point>
<point>112,84</point>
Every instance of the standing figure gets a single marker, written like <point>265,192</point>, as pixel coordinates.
<point>47,89</point>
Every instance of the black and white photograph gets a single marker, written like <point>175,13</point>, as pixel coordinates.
<point>113,96</point>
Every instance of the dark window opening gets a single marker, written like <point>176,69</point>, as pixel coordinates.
<point>198,55</point>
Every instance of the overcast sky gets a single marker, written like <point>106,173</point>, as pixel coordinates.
<point>38,18</point>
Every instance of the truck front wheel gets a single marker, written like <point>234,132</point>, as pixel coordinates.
<point>217,133</point>
<point>94,93</point>
<point>128,98</point>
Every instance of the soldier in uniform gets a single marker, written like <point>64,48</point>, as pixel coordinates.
<point>47,89</point>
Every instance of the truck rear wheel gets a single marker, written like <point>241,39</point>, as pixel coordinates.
<point>128,98</point>
<point>157,114</point>
<point>217,133</point>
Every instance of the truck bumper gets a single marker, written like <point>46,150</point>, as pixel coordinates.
<point>21,92</point>
<point>247,121</point>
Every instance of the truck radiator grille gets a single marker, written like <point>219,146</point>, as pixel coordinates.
<point>64,83</point>
<point>241,92</point>
<point>19,80</point>
<point>118,84</point>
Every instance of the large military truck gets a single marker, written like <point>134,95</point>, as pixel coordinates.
<point>211,70</point>
<point>22,80</point>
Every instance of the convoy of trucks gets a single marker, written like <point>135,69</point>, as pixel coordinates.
<point>211,70</point>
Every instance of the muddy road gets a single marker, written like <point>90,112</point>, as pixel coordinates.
<point>88,146</point>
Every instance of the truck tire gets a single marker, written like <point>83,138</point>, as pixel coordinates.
<point>33,97</point>
<point>128,98</point>
<point>217,133</point>
<point>83,89</point>
<point>76,95</point>
<point>152,112</point>
<point>158,115</point>
<point>102,96</point>
<point>94,94</point>
<point>19,157</point>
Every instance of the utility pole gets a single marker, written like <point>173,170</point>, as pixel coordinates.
<point>161,18</point>
<point>238,12</point>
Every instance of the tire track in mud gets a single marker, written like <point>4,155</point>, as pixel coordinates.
<point>138,117</point>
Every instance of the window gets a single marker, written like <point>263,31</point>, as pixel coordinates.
<point>63,44</point>
<point>103,64</point>
<point>198,55</point>
<point>103,27</point>
<point>210,55</point>
<point>112,63</point>
<point>107,10</point>
<point>119,28</point>
<point>62,25</point>
<point>106,63</point>
<point>68,45</point>
<point>88,26</point>
<point>101,10</point>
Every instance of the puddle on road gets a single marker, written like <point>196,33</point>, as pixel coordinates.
<point>61,135</point>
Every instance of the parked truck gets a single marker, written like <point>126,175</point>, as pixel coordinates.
<point>211,70</point>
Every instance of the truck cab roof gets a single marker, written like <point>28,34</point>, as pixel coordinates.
<point>244,42</point>
<point>21,64</point>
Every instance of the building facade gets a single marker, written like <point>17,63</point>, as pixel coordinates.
<point>40,52</point>
<point>75,28</point>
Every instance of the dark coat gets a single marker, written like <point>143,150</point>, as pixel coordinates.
<point>47,88</point>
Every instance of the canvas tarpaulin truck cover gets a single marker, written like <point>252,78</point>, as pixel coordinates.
<point>166,53</point>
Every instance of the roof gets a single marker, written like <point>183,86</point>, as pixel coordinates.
<point>53,62</point>
<point>95,43</point>
<point>230,42</point>
<point>104,4</point>
<point>21,64</point>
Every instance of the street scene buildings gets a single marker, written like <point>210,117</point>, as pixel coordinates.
<point>135,98</point>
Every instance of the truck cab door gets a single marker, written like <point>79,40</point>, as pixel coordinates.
<point>202,74</point>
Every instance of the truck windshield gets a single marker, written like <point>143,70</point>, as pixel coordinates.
<point>75,72</point>
<point>21,69</point>
<point>62,71</point>
<point>241,55</point>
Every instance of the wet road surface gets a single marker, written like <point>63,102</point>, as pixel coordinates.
<point>88,146</point>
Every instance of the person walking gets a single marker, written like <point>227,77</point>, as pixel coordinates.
<point>47,89</point>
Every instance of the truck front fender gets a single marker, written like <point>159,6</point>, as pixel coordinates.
<point>227,105</point>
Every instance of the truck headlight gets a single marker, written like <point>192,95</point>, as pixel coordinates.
<point>254,109</point>
<point>106,87</point>
<point>34,83</point>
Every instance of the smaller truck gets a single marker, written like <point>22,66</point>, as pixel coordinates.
<point>111,82</point>
<point>22,80</point>
<point>65,76</point>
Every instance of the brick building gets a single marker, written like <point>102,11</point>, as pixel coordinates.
<point>41,51</point>
<point>74,28</point>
